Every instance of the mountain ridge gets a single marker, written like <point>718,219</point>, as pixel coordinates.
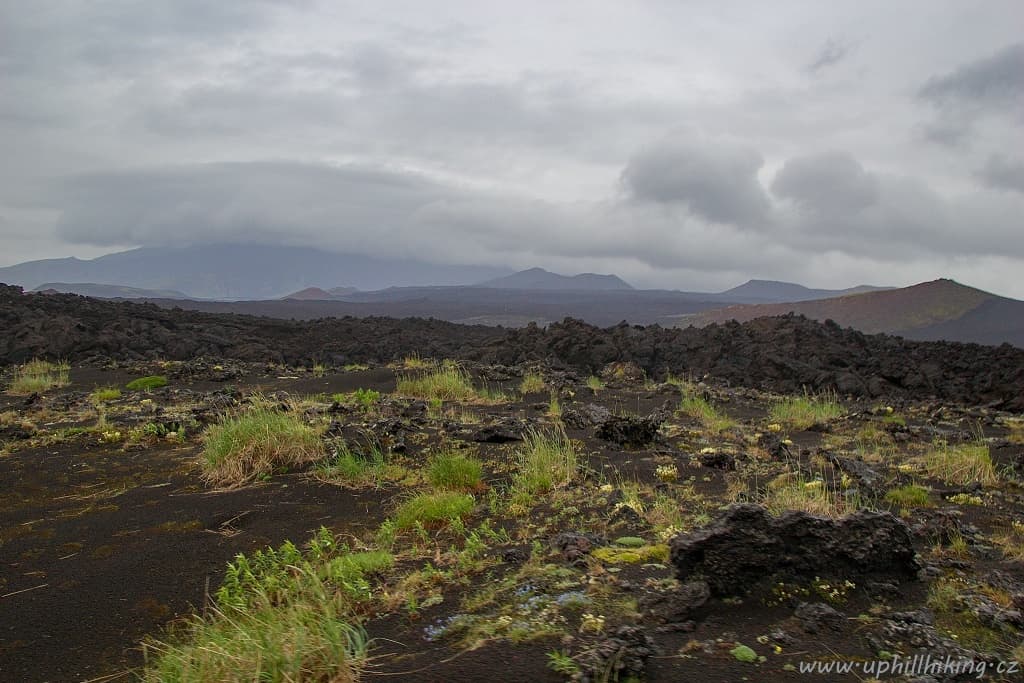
<point>539,278</point>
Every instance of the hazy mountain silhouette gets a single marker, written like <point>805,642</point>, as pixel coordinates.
<point>538,278</point>
<point>236,271</point>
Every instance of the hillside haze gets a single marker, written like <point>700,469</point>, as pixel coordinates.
<point>241,271</point>
<point>538,278</point>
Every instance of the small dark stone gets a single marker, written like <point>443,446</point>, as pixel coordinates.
<point>815,617</point>
<point>718,460</point>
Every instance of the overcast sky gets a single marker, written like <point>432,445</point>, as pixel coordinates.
<point>688,145</point>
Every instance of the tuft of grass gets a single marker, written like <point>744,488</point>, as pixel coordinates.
<point>532,383</point>
<point>104,395</point>
<point>297,642</point>
<point>794,492</point>
<point>910,496</point>
<point>1015,431</point>
<point>279,615</point>
<point>802,412</point>
<point>356,367</point>
<point>554,408</point>
<point>414,362</point>
<point>253,444</point>
<point>450,471</point>
<point>433,510</point>
<point>698,408</point>
<point>1011,541</point>
<point>960,464</point>
<point>594,383</point>
<point>547,460</point>
<point>448,383</point>
<point>147,383</point>
<point>39,375</point>
<point>319,369</point>
<point>369,468</point>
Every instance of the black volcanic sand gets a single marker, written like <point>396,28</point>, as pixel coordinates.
<point>104,544</point>
<point>786,354</point>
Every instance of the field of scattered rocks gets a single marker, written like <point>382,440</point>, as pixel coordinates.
<point>662,546</point>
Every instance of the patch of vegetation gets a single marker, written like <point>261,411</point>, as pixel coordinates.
<point>793,491</point>
<point>414,362</point>
<point>806,411</point>
<point>356,367</point>
<point>147,383</point>
<point>448,383</point>
<point>319,370</point>
<point>1011,541</point>
<point>873,444</point>
<point>909,496</point>
<point>450,471</point>
<point>560,662</point>
<point>960,464</point>
<point>253,444</point>
<point>743,653</point>
<point>1015,431</point>
<point>532,383</point>
<point>104,395</point>
<point>433,510</point>
<point>39,375</point>
<point>279,615</point>
<point>370,466</point>
<point>698,408</point>
<point>594,383</point>
<point>554,408</point>
<point>546,460</point>
<point>364,399</point>
<point>953,618</point>
<point>632,555</point>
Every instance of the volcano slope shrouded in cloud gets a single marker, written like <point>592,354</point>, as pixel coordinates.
<point>241,271</point>
<point>942,309</point>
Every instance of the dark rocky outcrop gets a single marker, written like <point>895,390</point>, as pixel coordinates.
<point>785,354</point>
<point>745,546</point>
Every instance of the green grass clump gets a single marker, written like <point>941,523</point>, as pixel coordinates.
<point>455,472</point>
<point>414,362</point>
<point>39,375</point>
<point>910,496</point>
<point>255,443</point>
<point>594,383</point>
<point>297,642</point>
<point>356,367</point>
<point>433,510</point>
<point>554,408</point>
<point>793,492</point>
<point>532,383</point>
<point>279,615</point>
<point>960,464</point>
<point>147,383</point>
<point>448,383</point>
<point>802,412</point>
<point>698,408</point>
<point>546,460</point>
<point>370,467</point>
<point>104,394</point>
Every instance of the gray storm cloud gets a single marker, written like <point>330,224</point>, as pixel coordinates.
<point>677,146</point>
<point>716,182</point>
<point>829,182</point>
